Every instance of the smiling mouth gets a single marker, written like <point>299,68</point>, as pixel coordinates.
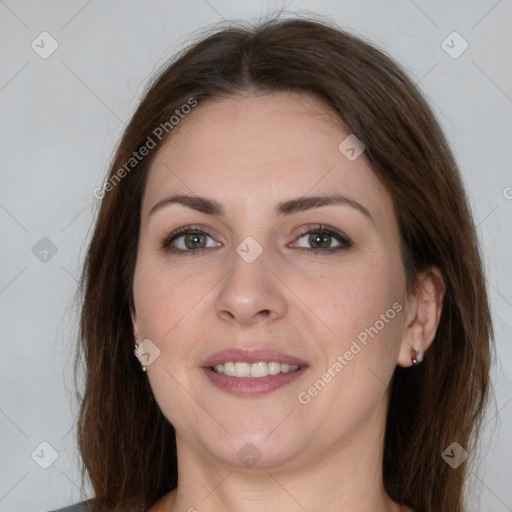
<point>249,385</point>
<point>253,370</point>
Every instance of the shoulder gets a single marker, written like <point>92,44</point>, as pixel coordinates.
<point>83,506</point>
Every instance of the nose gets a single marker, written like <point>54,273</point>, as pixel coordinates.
<point>251,293</point>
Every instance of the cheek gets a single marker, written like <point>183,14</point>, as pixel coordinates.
<point>163,296</point>
<point>152,296</point>
<point>363,308</point>
<point>166,303</point>
<point>355,297</point>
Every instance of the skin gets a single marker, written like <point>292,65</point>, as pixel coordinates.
<point>251,153</point>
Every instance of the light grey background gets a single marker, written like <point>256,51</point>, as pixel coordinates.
<point>61,118</point>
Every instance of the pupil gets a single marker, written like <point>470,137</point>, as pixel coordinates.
<point>320,240</point>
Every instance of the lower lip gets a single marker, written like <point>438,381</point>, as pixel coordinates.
<point>252,386</point>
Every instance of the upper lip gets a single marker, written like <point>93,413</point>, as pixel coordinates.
<point>254,355</point>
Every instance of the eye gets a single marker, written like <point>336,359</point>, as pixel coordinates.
<point>318,239</point>
<point>188,239</point>
<point>323,239</point>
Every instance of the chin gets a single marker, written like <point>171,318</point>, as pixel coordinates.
<point>256,450</point>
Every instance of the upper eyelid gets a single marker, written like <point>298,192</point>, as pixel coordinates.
<point>302,231</point>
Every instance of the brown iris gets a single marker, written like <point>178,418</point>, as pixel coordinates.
<point>320,240</point>
<point>195,240</point>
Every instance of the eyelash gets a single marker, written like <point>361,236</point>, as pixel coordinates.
<point>344,240</point>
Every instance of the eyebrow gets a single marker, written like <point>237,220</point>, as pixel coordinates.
<point>212,207</point>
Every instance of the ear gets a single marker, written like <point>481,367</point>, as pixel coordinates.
<point>423,312</point>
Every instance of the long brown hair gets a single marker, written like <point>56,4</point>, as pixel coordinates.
<point>127,446</point>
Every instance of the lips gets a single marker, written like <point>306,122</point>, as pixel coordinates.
<point>252,386</point>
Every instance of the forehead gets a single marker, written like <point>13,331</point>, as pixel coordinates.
<point>249,151</point>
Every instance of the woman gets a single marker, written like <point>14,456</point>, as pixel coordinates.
<point>283,299</point>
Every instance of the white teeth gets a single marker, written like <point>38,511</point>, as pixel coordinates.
<point>260,369</point>
<point>274,368</point>
<point>229,369</point>
<point>242,370</point>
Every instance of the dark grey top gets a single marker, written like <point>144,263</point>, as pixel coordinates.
<point>83,506</point>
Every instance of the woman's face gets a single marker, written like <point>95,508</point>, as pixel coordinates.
<point>262,270</point>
